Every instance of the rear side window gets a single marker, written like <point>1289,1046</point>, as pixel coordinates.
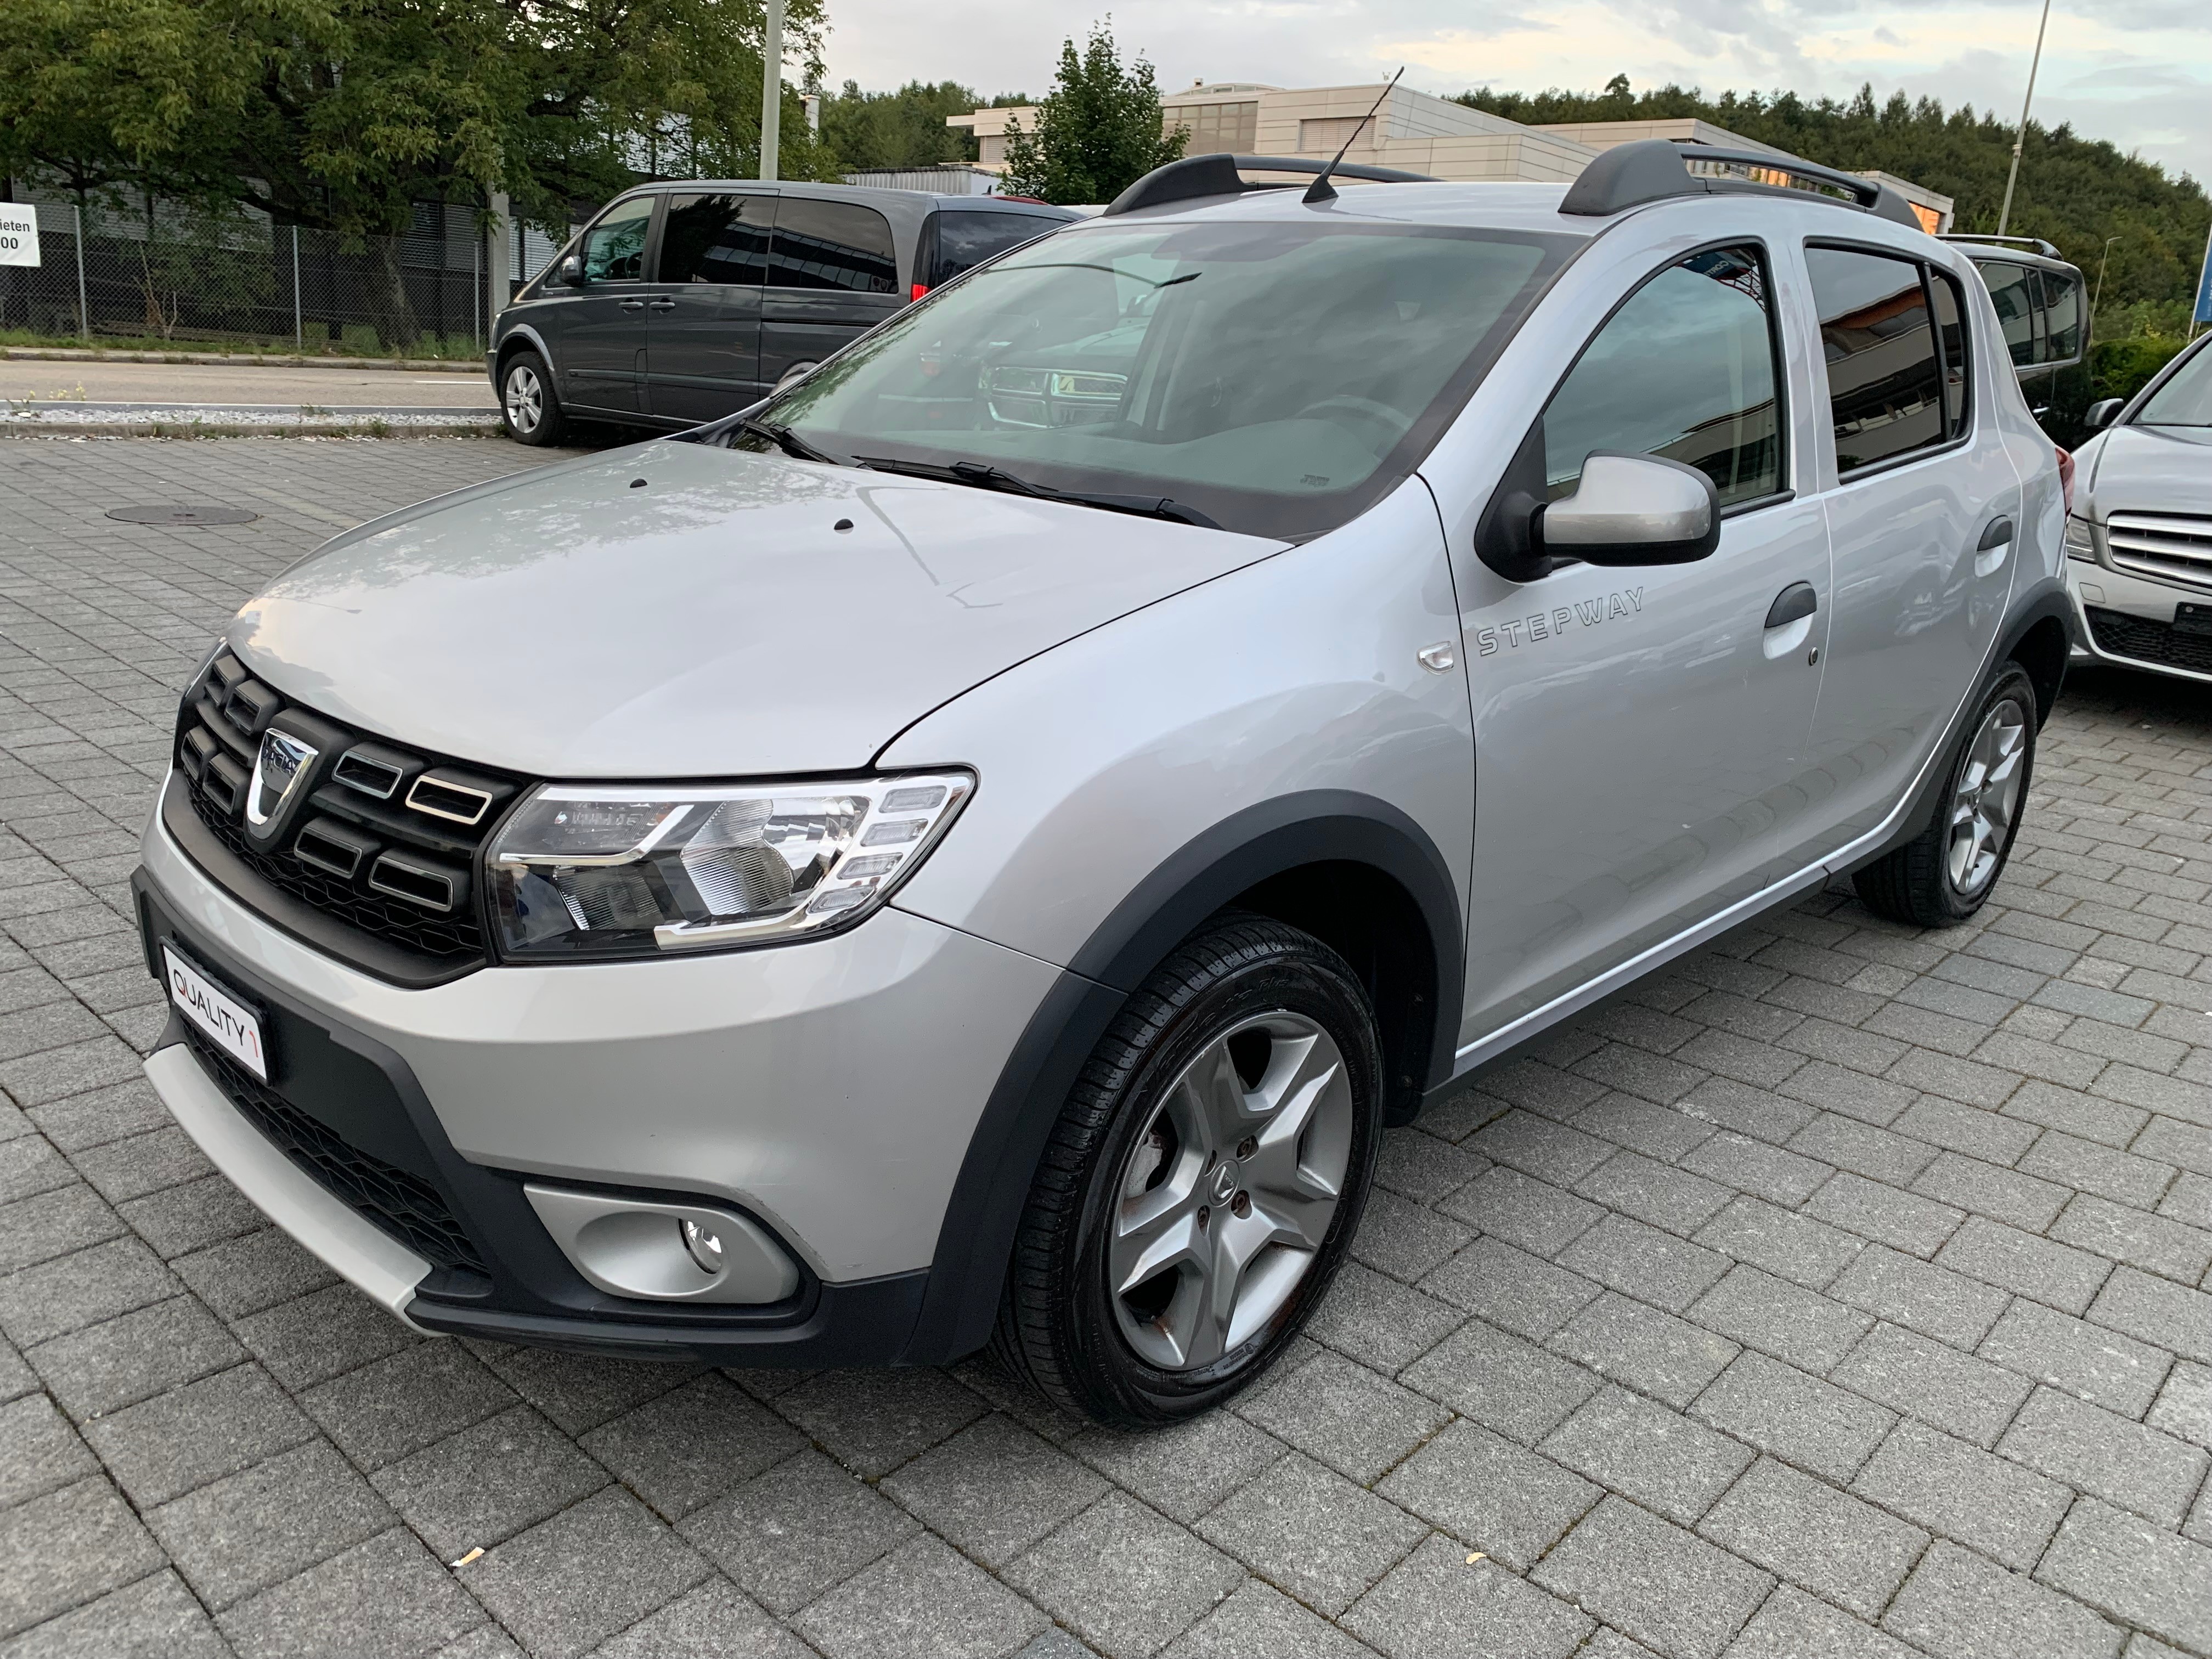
<point>838,245</point>
<point>965,238</point>
<point>1952,335</point>
<point>1685,369</point>
<point>2013,289</point>
<point>716,239</point>
<point>1885,373</point>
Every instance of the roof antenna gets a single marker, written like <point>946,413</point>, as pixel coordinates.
<point>1320,190</point>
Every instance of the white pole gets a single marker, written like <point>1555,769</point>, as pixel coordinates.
<point>2035,62</point>
<point>771,87</point>
<point>83,307</point>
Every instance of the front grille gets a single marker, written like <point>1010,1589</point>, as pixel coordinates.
<point>403,1204</point>
<point>2120,634</point>
<point>385,838</point>
<point>2170,547</point>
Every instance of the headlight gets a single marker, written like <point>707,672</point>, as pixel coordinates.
<point>2081,540</point>
<point>587,870</point>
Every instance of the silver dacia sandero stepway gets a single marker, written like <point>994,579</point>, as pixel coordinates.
<point>977,848</point>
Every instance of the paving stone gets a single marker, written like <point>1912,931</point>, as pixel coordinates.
<point>1776,1318</point>
<point>2184,1404</point>
<point>392,1407</point>
<point>1815,1537</point>
<point>2153,1244</point>
<point>571,1582</point>
<point>1974,1131</point>
<point>170,1445</point>
<point>682,1449</point>
<point>1852,1094</point>
<point>1789,1245</point>
<point>1536,1146</point>
<point>1642,1261</point>
<point>2106,1455</point>
<point>2156,1311</point>
<point>243,1275</point>
<point>65,1548</point>
<point>1752,1166</point>
<point>387,1596</point>
<point>1665,1587</point>
<point>1919,1227</point>
<point>1378,1322</point>
<point>1798,1418</point>
<point>256,1527</point>
<point>578,1393</point>
<point>156,1617</point>
<point>1921,1297</point>
<point>1502,1382</point>
<point>316,1337</point>
<point>488,1482</point>
<point>1510,1287</point>
<point>2006,1195</point>
<point>1184,1469</point>
<point>182,1219</point>
<point>1403,1239</point>
<point>107,1366</point>
<point>1987,1502</point>
<point>789,1534</point>
<point>1424,1167</point>
<point>1659,1458</point>
<point>72,1292</point>
<point>58,1222</point>
<point>1258,1622</point>
<point>2075,1114</point>
<point>873,1421</point>
<point>1645,1348</point>
<point>38,1450</point>
<point>1959,1606</point>
<point>1673,1200</point>
<point>1438,1603</point>
<point>993,1490</point>
<point>1792,1624</point>
<point>2089,1167</point>
<point>1523,1210</point>
<point>1655,1130</point>
<point>1124,1579</point>
<point>1934,1384</point>
<point>1354,1419</point>
<point>713,1621</point>
<point>2136,1572</point>
<point>2100,1366</point>
<point>1489,1493</point>
<point>1312,1532</point>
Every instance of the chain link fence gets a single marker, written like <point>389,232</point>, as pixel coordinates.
<point>163,275</point>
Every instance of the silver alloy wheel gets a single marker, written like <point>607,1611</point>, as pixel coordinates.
<point>526,398</point>
<point>1223,1201</point>
<point>1987,799</point>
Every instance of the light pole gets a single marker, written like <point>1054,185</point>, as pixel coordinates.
<point>2035,62</point>
<point>772,87</point>
<point>2098,297</point>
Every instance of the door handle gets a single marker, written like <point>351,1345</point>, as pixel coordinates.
<point>633,305</point>
<point>1996,541</point>
<point>1793,604</point>
<point>662,305</point>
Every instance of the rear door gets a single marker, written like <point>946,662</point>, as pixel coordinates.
<point>602,344</point>
<point>832,275</point>
<point>702,356</point>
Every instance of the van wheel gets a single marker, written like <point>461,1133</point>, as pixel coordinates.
<point>1204,1181</point>
<point>1946,874</point>
<point>527,403</point>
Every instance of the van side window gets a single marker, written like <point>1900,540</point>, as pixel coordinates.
<point>966,237</point>
<point>614,248</point>
<point>1885,379</point>
<point>2062,302</point>
<point>1952,333</point>
<point>716,239</point>
<point>838,245</point>
<point>1685,369</point>
<point>2013,290</point>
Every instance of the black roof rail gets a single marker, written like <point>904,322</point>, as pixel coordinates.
<point>1224,175</point>
<point>2034,243</point>
<point>1654,169</point>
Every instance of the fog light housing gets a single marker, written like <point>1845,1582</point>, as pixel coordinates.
<point>665,1252</point>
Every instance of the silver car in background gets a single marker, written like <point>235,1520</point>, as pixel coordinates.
<point>978,848</point>
<point>2139,545</point>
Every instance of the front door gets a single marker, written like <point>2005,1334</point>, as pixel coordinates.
<point>833,275</point>
<point>602,345</point>
<point>703,356</point>
<point>1637,732</point>
<point>1922,520</point>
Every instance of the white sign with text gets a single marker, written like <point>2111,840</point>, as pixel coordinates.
<point>19,233</point>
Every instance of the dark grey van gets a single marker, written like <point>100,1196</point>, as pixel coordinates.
<point>685,301</point>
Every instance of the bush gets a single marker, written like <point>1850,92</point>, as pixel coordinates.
<point>360,340</point>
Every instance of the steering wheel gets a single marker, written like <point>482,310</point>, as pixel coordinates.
<point>1387,423</point>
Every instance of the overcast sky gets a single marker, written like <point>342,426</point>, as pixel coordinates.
<point>2138,72</point>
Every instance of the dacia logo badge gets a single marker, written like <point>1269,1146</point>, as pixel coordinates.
<point>277,770</point>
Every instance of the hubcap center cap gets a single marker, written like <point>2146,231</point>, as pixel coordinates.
<point>1227,1178</point>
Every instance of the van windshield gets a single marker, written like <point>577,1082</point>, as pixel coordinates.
<point>2184,400</point>
<point>1275,378</point>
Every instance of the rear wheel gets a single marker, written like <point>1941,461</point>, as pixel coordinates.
<point>1946,872</point>
<point>1204,1181</point>
<point>527,403</point>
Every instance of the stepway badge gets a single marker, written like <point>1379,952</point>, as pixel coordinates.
<point>19,233</point>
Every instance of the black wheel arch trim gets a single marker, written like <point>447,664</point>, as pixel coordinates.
<point>1326,826</point>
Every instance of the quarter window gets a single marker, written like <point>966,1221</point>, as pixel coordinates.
<point>1952,334</point>
<point>614,248</point>
<point>1885,375</point>
<point>1686,370</point>
<point>966,239</point>
<point>716,239</point>
<point>2011,288</point>
<point>831,244</point>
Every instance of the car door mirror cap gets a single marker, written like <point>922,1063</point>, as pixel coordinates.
<point>1630,509</point>
<point>572,272</point>
<point>2103,413</point>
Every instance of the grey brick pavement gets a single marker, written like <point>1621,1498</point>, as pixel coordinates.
<point>1840,1290</point>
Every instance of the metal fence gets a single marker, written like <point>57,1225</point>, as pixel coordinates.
<point>110,274</point>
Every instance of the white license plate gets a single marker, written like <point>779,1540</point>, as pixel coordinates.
<point>235,1027</point>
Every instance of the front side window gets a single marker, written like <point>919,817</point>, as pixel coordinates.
<point>836,245</point>
<point>614,248</point>
<point>2184,400</point>
<point>966,239</point>
<point>1277,376</point>
<point>1686,370</point>
<point>1885,374</point>
<point>716,239</point>
<point>2012,288</point>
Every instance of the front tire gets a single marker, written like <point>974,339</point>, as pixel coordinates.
<point>1203,1182</point>
<point>1946,872</point>
<point>528,406</point>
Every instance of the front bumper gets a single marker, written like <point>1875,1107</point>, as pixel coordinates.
<point>2137,629</point>
<point>829,1090</point>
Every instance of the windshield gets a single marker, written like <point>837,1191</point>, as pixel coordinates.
<point>2184,400</point>
<point>1277,378</point>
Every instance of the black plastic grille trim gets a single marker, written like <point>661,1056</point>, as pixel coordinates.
<point>2120,634</point>
<point>404,1205</point>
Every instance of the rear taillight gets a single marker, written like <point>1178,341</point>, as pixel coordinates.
<point>918,290</point>
<point>2066,476</point>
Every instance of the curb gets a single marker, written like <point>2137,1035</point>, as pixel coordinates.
<point>241,360</point>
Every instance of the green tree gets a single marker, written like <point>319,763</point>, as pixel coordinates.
<point>902,129</point>
<point>1097,132</point>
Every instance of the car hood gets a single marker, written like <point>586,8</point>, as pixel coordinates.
<point>2152,469</point>
<point>714,619</point>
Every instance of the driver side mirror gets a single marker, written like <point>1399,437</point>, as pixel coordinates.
<point>572,272</point>
<point>2103,413</point>
<point>1627,509</point>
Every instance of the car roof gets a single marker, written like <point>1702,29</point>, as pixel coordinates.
<point>874,195</point>
<point>2002,253</point>
<point>1485,204</point>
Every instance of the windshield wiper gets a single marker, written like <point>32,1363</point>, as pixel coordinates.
<point>788,441</point>
<point>983,476</point>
